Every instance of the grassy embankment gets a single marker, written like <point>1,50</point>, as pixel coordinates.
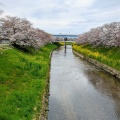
<point>67,43</point>
<point>109,56</point>
<point>23,78</point>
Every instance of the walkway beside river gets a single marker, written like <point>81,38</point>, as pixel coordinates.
<point>81,91</point>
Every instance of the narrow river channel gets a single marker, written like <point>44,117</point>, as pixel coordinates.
<point>81,91</point>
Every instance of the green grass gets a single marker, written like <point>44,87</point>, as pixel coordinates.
<point>67,43</point>
<point>109,56</point>
<point>23,78</point>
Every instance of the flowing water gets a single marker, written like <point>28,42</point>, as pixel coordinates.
<point>81,91</point>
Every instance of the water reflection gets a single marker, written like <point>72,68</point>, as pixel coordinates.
<point>81,91</point>
<point>105,83</point>
<point>65,50</point>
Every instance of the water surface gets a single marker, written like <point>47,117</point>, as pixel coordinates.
<point>81,91</point>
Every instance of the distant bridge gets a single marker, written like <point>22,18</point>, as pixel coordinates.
<point>65,35</point>
<point>63,41</point>
<point>60,38</point>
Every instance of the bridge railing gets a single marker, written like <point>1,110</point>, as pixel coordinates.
<point>62,40</point>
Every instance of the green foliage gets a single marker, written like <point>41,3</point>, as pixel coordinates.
<point>58,44</point>
<point>109,56</point>
<point>67,43</point>
<point>22,82</point>
<point>27,49</point>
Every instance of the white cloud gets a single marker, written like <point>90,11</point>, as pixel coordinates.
<point>57,16</point>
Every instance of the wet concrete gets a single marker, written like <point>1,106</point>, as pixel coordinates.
<point>81,91</point>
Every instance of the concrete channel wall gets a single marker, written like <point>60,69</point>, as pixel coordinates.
<point>108,69</point>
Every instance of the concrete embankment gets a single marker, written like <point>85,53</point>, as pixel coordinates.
<point>108,69</point>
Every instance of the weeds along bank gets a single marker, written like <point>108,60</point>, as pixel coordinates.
<point>109,56</point>
<point>22,82</point>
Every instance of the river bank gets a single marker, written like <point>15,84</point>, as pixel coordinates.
<point>23,82</point>
<point>105,58</point>
<point>45,99</point>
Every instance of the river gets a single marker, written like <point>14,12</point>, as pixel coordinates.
<point>81,91</point>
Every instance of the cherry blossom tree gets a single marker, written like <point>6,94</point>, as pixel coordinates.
<point>33,37</point>
<point>20,32</point>
<point>108,35</point>
<point>1,36</point>
<point>10,25</point>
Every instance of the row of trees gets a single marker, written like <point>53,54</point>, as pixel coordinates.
<point>108,35</point>
<point>20,31</point>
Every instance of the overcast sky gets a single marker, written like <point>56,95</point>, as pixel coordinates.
<point>64,16</point>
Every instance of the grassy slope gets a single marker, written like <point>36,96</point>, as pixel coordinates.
<point>22,82</point>
<point>108,56</point>
<point>67,43</point>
